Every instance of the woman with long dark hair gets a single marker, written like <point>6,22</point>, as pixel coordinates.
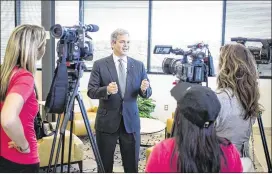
<point>195,146</point>
<point>238,93</point>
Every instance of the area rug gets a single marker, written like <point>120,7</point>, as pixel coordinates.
<point>89,163</point>
<point>90,166</point>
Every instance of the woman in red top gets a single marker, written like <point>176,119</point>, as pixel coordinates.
<point>18,103</point>
<point>195,146</point>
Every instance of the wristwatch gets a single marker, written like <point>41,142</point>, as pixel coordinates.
<point>23,150</point>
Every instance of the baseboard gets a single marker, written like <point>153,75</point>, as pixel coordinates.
<point>259,152</point>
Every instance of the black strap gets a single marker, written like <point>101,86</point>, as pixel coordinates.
<point>43,122</point>
<point>37,97</point>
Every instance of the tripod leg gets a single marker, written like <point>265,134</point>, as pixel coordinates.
<point>53,144</point>
<point>68,109</point>
<point>61,139</point>
<point>62,152</point>
<point>91,137</point>
<point>57,154</point>
<point>70,139</point>
<point>266,152</point>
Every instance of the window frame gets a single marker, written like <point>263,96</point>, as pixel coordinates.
<point>149,36</point>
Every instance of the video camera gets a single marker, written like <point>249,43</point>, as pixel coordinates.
<point>195,70</point>
<point>72,50</point>
<point>262,55</point>
<point>72,43</point>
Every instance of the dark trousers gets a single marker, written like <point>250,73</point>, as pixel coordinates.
<point>129,147</point>
<point>7,166</point>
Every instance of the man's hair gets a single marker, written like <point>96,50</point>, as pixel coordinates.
<point>117,32</point>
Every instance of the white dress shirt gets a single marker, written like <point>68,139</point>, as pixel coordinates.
<point>116,62</point>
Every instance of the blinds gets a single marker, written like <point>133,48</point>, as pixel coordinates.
<point>7,24</point>
<point>31,14</point>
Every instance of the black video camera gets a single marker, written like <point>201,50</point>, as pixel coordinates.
<point>195,70</point>
<point>262,55</point>
<point>72,43</point>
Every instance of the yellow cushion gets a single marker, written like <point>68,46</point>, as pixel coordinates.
<point>92,109</point>
<point>79,127</point>
<point>45,144</point>
<point>169,124</point>
<point>148,152</point>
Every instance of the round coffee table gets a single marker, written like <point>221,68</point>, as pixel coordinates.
<point>149,127</point>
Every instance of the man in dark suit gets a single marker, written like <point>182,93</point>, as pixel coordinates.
<point>116,81</point>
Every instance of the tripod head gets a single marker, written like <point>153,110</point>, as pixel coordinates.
<point>75,70</point>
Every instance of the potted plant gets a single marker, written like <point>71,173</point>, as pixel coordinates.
<point>146,106</point>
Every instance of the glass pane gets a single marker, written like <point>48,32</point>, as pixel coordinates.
<point>110,15</point>
<point>31,13</point>
<point>249,19</point>
<point>183,23</point>
<point>67,14</point>
<point>7,24</point>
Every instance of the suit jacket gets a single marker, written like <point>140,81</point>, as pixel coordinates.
<point>112,107</point>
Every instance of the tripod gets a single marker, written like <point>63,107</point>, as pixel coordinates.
<point>266,152</point>
<point>73,78</point>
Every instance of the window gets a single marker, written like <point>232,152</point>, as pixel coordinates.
<point>110,15</point>
<point>7,24</point>
<point>250,19</point>
<point>66,14</point>
<point>31,14</point>
<point>182,23</point>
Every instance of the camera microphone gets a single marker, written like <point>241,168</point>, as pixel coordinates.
<point>194,46</point>
<point>198,45</point>
<point>238,39</point>
<point>91,28</point>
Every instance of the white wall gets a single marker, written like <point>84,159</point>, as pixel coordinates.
<point>161,86</point>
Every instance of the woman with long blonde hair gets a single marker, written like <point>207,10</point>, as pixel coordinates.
<point>239,95</point>
<point>18,103</point>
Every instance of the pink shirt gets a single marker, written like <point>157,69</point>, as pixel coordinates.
<point>159,159</point>
<point>22,83</point>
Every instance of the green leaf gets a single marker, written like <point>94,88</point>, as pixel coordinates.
<point>146,107</point>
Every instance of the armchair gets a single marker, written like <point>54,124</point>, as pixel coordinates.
<point>44,150</point>
<point>79,128</point>
<point>168,130</point>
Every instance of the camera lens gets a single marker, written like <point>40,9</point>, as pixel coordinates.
<point>169,65</point>
<point>56,31</point>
